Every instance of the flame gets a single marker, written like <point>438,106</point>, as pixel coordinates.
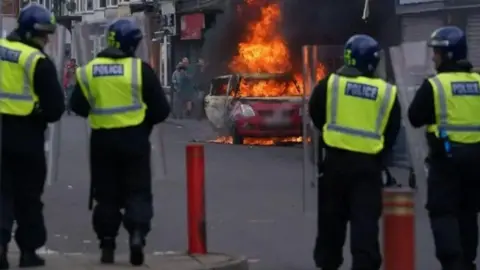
<point>264,50</point>
<point>260,141</point>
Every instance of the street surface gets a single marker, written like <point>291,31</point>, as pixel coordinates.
<point>254,202</point>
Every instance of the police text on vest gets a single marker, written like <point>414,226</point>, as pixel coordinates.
<point>9,55</point>
<point>361,90</point>
<point>465,89</point>
<point>107,70</point>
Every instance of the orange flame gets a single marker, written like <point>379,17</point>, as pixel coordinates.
<point>265,51</point>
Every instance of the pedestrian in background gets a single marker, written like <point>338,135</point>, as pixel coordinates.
<point>176,103</point>
<point>185,94</point>
<point>201,84</point>
<point>69,81</point>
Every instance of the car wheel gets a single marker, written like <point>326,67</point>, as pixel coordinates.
<point>237,139</point>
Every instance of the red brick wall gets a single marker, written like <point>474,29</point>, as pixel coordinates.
<point>10,6</point>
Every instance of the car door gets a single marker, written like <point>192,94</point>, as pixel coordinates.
<point>232,96</point>
<point>215,101</point>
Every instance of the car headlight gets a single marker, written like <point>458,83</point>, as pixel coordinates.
<point>247,110</point>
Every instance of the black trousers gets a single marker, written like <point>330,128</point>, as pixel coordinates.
<point>122,181</point>
<point>23,179</point>
<point>343,197</point>
<point>453,202</point>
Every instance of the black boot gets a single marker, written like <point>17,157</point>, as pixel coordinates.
<point>137,242</point>
<point>107,246</point>
<point>3,258</point>
<point>29,258</point>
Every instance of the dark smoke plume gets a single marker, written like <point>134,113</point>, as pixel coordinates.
<point>222,39</point>
<point>326,22</point>
<point>319,22</point>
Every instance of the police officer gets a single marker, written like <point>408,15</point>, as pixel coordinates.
<point>359,117</point>
<point>30,97</point>
<point>449,105</point>
<point>123,99</point>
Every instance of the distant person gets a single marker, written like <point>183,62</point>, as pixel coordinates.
<point>69,81</point>
<point>201,84</point>
<point>182,80</point>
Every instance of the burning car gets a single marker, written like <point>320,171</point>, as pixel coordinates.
<point>277,118</point>
<point>260,101</point>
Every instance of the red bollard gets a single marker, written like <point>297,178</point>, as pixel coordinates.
<point>398,229</point>
<point>197,228</point>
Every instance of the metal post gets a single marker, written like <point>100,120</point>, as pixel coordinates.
<point>398,229</point>
<point>165,60</point>
<point>197,227</point>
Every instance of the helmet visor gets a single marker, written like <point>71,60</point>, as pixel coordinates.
<point>48,28</point>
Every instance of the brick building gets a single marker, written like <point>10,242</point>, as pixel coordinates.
<point>10,7</point>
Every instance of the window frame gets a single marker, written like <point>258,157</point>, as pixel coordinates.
<point>110,4</point>
<point>92,8</point>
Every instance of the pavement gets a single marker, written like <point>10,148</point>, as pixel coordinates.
<point>158,261</point>
<point>254,200</point>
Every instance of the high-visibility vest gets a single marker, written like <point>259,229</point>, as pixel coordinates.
<point>17,67</point>
<point>457,106</point>
<point>113,88</point>
<point>358,110</point>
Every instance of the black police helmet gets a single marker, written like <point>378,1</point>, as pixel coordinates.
<point>35,20</point>
<point>451,42</point>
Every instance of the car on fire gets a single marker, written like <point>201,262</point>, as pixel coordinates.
<point>253,116</point>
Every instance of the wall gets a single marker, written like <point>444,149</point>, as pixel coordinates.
<point>10,7</point>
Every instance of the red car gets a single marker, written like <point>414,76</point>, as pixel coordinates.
<point>253,117</point>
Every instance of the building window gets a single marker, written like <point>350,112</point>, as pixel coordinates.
<point>81,6</point>
<point>48,5</point>
<point>113,3</point>
<point>71,6</point>
<point>89,5</point>
<point>103,3</point>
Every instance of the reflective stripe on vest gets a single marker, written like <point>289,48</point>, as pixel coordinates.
<point>377,135</point>
<point>443,111</point>
<point>27,89</point>
<point>135,92</point>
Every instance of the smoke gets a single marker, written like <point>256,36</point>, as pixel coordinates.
<point>320,22</point>
<point>326,22</point>
<point>222,39</point>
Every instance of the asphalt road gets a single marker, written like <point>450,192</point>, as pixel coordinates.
<point>254,202</point>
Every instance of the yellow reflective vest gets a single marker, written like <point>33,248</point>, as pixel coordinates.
<point>457,106</point>
<point>113,88</point>
<point>358,110</point>
<point>17,67</point>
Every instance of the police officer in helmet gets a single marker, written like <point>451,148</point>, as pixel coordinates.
<point>123,100</point>
<point>449,104</point>
<point>359,118</point>
<point>30,97</point>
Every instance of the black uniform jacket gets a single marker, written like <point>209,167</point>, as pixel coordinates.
<point>422,109</point>
<point>157,111</point>
<point>348,159</point>
<point>27,133</point>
